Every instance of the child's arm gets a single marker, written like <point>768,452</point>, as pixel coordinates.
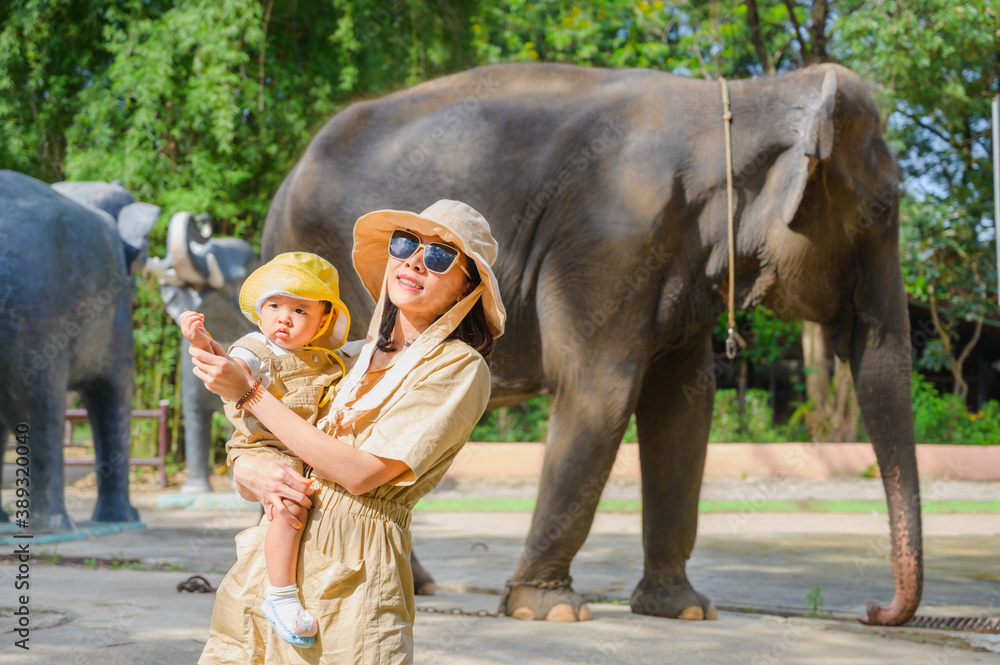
<point>242,363</point>
<point>193,329</point>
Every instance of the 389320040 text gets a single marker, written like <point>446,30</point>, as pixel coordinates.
<point>22,550</point>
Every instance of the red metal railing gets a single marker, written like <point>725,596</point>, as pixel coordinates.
<point>161,414</point>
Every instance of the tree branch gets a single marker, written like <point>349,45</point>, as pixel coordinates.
<point>818,32</point>
<point>780,53</point>
<point>260,62</point>
<point>753,19</point>
<point>701,61</point>
<point>936,132</point>
<point>961,387</point>
<point>790,5</point>
<point>942,333</point>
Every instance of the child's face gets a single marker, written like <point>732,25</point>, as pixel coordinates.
<point>289,322</point>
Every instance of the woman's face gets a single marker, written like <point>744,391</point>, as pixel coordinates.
<point>421,295</point>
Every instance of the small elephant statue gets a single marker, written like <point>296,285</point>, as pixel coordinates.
<point>66,293</point>
<point>202,273</point>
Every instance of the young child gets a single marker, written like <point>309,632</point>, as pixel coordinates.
<point>295,300</point>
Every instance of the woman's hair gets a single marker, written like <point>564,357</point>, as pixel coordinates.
<point>474,329</point>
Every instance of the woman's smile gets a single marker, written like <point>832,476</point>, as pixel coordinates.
<point>408,282</point>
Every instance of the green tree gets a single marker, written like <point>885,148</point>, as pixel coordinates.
<point>938,67</point>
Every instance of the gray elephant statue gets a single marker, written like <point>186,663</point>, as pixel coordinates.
<point>202,273</point>
<point>66,292</point>
<point>607,193</point>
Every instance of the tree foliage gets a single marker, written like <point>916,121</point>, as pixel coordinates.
<point>938,67</point>
<point>205,106</point>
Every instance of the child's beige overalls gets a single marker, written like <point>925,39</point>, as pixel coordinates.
<point>299,379</point>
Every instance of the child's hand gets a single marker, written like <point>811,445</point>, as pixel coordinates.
<point>193,329</point>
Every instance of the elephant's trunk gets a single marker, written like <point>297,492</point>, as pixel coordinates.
<point>881,366</point>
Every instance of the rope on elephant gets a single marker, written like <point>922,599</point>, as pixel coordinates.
<point>727,121</point>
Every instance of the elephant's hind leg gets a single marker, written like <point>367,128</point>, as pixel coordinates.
<point>673,418</point>
<point>109,410</point>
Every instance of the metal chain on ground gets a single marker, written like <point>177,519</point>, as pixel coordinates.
<point>482,614</point>
<point>195,584</point>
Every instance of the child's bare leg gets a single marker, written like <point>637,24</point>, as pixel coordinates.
<point>281,548</point>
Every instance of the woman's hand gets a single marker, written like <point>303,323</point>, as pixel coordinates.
<point>273,484</point>
<point>220,373</point>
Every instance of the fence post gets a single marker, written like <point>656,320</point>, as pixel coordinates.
<point>164,441</point>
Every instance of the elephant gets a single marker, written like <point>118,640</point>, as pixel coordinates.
<point>607,193</point>
<point>202,273</point>
<point>66,296</point>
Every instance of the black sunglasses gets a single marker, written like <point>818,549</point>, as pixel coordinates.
<point>438,257</point>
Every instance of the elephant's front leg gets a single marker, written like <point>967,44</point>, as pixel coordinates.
<point>673,416</point>
<point>109,409</point>
<point>585,430</point>
<point>423,582</point>
<point>38,402</point>
<point>197,404</point>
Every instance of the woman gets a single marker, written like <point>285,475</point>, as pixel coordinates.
<point>418,387</point>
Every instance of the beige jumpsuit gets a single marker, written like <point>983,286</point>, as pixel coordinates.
<point>354,562</point>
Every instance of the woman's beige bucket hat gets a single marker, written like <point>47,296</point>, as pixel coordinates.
<point>455,222</point>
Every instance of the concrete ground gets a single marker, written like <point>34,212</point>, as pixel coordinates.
<point>758,566</point>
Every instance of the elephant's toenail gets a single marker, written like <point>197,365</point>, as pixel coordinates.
<point>524,614</point>
<point>561,613</point>
<point>692,613</point>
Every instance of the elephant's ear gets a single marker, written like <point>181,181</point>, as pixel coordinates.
<point>135,221</point>
<point>786,180</point>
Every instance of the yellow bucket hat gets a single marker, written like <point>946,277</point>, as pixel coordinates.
<point>300,275</point>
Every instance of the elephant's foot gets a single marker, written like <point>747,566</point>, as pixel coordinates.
<point>114,510</point>
<point>52,523</point>
<point>423,585</point>
<point>559,605</point>
<point>423,582</point>
<point>673,600</point>
<point>193,485</point>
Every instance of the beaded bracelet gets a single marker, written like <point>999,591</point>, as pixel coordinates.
<point>242,400</point>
